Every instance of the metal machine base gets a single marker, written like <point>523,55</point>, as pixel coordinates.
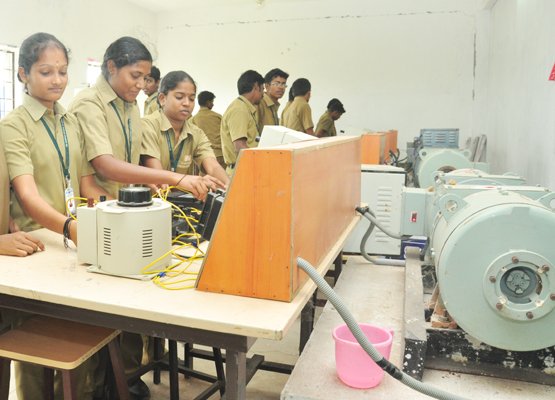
<point>456,351</point>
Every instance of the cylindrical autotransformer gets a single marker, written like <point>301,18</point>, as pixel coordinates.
<point>130,237</point>
<point>495,262</point>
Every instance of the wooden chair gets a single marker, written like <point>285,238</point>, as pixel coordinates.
<point>62,345</point>
<point>173,368</point>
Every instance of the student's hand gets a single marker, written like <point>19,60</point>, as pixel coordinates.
<point>19,244</point>
<point>215,181</point>
<point>199,186</point>
<point>156,188</point>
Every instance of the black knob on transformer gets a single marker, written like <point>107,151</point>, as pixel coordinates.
<point>134,196</point>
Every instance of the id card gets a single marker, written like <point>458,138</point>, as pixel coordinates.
<point>70,199</point>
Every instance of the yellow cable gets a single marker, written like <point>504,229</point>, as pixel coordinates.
<point>83,199</point>
<point>178,272</point>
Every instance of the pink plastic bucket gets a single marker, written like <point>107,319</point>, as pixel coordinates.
<point>354,366</point>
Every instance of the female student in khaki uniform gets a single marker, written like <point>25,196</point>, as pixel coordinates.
<point>110,120</point>
<point>111,123</point>
<point>170,141</point>
<point>43,147</point>
<point>43,143</point>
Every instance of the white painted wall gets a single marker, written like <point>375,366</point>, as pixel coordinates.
<point>401,64</point>
<point>86,27</point>
<point>520,117</point>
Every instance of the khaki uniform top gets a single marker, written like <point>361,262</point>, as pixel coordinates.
<point>103,130</point>
<point>240,120</point>
<point>4,193</point>
<point>287,105</point>
<point>151,104</point>
<point>327,124</point>
<point>298,116</point>
<point>196,146</point>
<point>210,121</point>
<point>267,112</point>
<point>30,151</point>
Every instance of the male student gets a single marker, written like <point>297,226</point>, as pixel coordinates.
<point>275,83</point>
<point>326,124</point>
<point>240,125</point>
<point>210,121</point>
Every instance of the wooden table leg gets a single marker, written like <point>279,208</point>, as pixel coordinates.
<point>236,375</point>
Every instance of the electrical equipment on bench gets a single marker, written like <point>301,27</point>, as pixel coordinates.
<point>210,212</point>
<point>190,206</point>
<point>437,150</point>
<point>494,258</point>
<point>120,237</point>
<point>381,187</point>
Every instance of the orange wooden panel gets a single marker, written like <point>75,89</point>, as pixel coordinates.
<point>253,227</point>
<point>390,143</point>
<point>372,148</point>
<point>283,202</point>
<point>326,194</point>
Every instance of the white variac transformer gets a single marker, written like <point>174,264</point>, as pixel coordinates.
<point>121,237</point>
<point>493,250</point>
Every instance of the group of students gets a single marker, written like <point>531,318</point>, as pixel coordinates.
<point>297,114</point>
<point>52,156</point>
<point>256,106</point>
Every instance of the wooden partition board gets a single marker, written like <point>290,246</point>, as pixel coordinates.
<point>283,202</point>
<point>372,148</point>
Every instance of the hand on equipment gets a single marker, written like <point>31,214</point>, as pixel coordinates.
<point>199,186</point>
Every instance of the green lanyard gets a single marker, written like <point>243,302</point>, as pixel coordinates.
<point>65,167</point>
<point>174,161</point>
<point>128,140</point>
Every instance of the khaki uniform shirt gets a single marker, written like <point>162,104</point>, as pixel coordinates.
<point>151,104</point>
<point>196,146</point>
<point>210,121</point>
<point>30,151</point>
<point>103,131</point>
<point>4,193</point>
<point>327,124</point>
<point>240,120</point>
<point>267,112</point>
<point>298,116</point>
<point>287,105</point>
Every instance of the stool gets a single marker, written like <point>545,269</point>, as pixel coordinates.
<point>62,345</point>
<point>189,353</point>
<point>173,367</point>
